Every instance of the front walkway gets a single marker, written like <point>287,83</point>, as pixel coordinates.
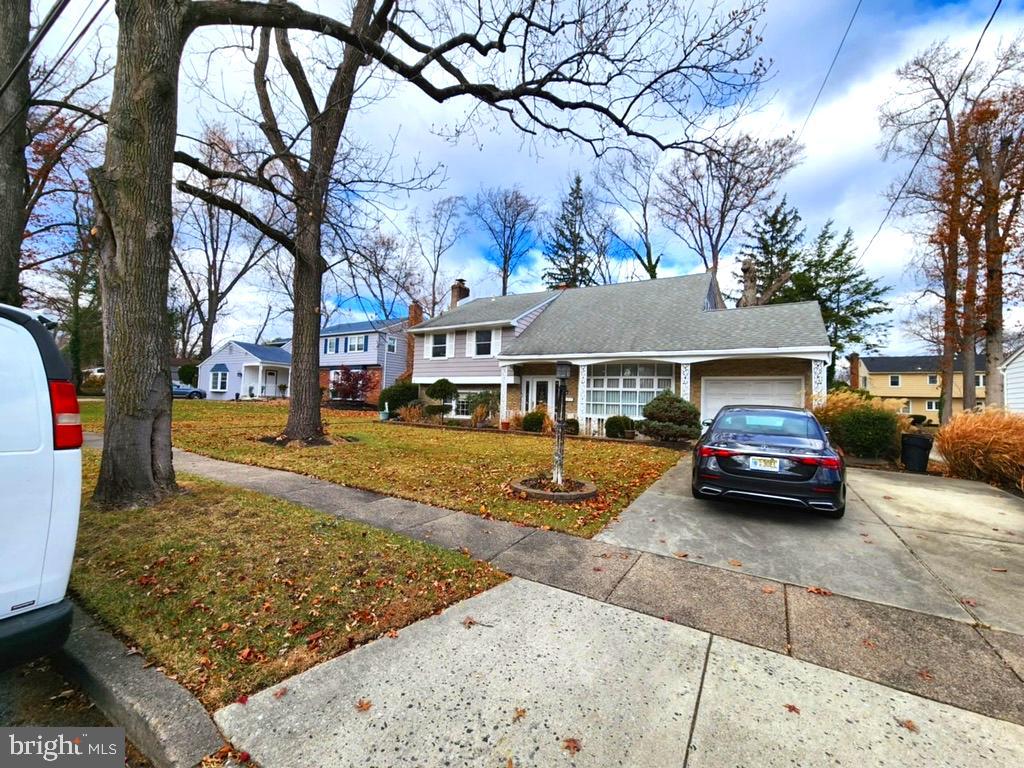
<point>742,719</point>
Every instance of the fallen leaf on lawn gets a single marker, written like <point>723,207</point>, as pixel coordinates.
<point>681,555</point>
<point>243,699</point>
<point>280,692</point>
<point>572,746</point>
<point>924,674</point>
<point>736,563</point>
<point>519,715</point>
<point>792,708</point>
<point>244,757</point>
<point>469,622</point>
<point>819,591</point>
<point>598,568</point>
<point>999,570</point>
<point>969,601</point>
<point>662,541</point>
<point>363,705</point>
<point>910,725</point>
<point>768,589</point>
<point>510,764</point>
<point>869,643</point>
<point>246,654</point>
<point>392,633</point>
<point>888,498</point>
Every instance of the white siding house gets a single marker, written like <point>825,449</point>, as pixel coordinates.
<point>1013,381</point>
<point>239,369</point>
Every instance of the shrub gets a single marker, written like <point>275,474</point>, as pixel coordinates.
<point>479,416</point>
<point>442,390</point>
<point>918,419</point>
<point>985,445</point>
<point>572,427</point>
<point>436,409</point>
<point>399,394</point>
<point>188,374</point>
<point>488,400</point>
<point>669,417</point>
<point>352,385</point>
<point>616,426</point>
<point>839,401</point>
<point>515,420</point>
<point>534,421</point>
<point>411,413</point>
<point>868,431</point>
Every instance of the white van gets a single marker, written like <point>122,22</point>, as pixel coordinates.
<point>40,488</point>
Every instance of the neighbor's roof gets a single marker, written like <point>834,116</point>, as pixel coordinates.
<point>266,354</point>
<point>489,310</point>
<point>363,326</point>
<point>917,364</point>
<point>663,315</point>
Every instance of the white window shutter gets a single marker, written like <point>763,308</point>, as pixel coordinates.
<point>495,342</point>
<point>450,345</point>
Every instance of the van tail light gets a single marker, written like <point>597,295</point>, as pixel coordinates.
<point>828,462</point>
<point>67,422</point>
<point>706,452</point>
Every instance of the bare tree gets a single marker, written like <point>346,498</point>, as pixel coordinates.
<point>432,238</point>
<point>383,278</point>
<point>214,252</point>
<point>704,198</point>
<point>594,71</point>
<point>628,182</point>
<point>511,220</point>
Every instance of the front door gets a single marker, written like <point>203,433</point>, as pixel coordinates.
<point>538,391</point>
<point>270,383</point>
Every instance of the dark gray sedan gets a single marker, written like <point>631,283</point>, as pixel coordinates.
<point>179,390</point>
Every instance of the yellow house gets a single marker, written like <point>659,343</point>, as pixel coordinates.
<point>914,380</point>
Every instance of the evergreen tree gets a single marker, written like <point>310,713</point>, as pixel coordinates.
<point>567,250</point>
<point>773,247</point>
<point>850,301</point>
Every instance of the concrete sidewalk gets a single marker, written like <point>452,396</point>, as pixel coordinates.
<point>943,659</point>
<point>528,675</point>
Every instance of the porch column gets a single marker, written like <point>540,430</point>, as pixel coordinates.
<point>819,382</point>
<point>503,403</point>
<point>259,381</point>
<point>581,397</point>
<point>684,381</point>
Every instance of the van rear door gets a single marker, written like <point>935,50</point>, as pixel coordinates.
<point>26,468</point>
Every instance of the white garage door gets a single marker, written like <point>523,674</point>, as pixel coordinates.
<point>749,391</point>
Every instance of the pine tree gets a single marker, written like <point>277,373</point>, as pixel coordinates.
<point>773,248</point>
<point>850,301</point>
<point>567,251</point>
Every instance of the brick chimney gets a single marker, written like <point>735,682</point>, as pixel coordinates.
<point>460,291</point>
<point>854,360</point>
<point>415,318</point>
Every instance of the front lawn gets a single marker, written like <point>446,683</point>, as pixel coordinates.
<point>455,469</point>
<point>232,591</point>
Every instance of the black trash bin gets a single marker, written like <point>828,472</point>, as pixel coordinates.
<point>915,451</point>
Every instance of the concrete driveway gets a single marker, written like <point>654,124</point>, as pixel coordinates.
<point>949,548</point>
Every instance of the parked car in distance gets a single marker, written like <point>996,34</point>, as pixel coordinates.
<point>185,390</point>
<point>770,454</point>
<point>41,478</point>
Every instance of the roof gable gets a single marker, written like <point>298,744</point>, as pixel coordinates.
<point>490,310</point>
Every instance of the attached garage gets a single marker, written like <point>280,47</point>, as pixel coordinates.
<point>750,390</point>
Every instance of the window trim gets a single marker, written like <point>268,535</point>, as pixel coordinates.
<point>471,342</point>
<point>932,376</point>
<point>979,380</point>
<point>592,375</point>
<point>361,338</point>
<point>898,378</point>
<point>928,406</point>
<point>428,346</point>
<point>213,375</point>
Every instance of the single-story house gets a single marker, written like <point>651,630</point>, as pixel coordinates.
<point>626,342</point>
<point>914,380</point>
<point>1013,381</point>
<point>246,370</point>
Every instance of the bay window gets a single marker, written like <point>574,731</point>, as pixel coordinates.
<point>624,389</point>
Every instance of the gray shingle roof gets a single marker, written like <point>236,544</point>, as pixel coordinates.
<point>491,309</point>
<point>363,326</point>
<point>916,363</point>
<point>266,354</point>
<point>666,314</point>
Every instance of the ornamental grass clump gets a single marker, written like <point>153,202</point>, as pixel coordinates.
<point>986,445</point>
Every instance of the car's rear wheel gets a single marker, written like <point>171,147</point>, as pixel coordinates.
<point>194,396</point>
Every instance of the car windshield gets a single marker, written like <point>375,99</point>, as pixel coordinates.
<point>783,427</point>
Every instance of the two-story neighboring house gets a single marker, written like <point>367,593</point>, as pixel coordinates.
<point>626,342</point>
<point>914,380</point>
<point>375,346</point>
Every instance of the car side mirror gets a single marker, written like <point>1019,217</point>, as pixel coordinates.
<point>707,422</point>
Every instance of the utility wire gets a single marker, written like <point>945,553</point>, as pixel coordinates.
<point>931,135</point>
<point>829,71</point>
<point>55,11</point>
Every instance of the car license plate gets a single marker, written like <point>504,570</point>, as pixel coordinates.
<point>764,464</point>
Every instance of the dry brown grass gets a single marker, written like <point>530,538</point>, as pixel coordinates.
<point>411,414</point>
<point>985,445</point>
<point>841,401</point>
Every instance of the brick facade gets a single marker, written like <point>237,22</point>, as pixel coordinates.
<point>372,393</point>
<point>778,366</point>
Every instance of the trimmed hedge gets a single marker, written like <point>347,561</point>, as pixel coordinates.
<point>533,421</point>
<point>616,426</point>
<point>669,417</point>
<point>572,427</point>
<point>868,432</point>
<point>399,395</point>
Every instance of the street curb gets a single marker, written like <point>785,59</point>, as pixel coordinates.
<point>159,716</point>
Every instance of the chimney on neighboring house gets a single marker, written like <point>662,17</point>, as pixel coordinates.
<point>415,318</point>
<point>460,291</point>
<point>854,360</point>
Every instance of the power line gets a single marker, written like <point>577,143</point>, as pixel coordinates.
<point>931,135</point>
<point>829,71</point>
<point>55,11</point>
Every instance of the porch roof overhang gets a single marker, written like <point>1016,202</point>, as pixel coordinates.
<point>823,354</point>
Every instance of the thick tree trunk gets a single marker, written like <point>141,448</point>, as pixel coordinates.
<point>969,335</point>
<point>304,420</point>
<point>132,192</point>
<point>14,28</point>
<point>994,299</point>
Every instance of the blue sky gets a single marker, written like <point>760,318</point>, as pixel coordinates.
<point>842,176</point>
